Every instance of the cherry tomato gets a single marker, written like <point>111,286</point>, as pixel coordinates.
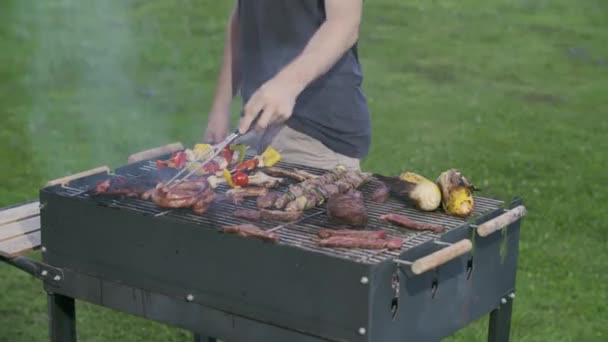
<point>240,178</point>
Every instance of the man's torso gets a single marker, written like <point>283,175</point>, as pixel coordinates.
<point>332,109</point>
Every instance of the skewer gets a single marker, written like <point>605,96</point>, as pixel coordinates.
<point>185,169</point>
<point>215,151</point>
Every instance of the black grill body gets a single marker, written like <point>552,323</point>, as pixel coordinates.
<point>179,269</point>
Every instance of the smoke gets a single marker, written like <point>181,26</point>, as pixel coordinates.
<point>102,83</point>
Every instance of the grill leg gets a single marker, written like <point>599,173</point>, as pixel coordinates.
<point>500,322</point>
<point>62,318</point>
<point>202,338</point>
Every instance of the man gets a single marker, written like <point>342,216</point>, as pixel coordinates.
<point>296,64</point>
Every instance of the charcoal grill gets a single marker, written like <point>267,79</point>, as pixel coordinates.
<point>176,267</point>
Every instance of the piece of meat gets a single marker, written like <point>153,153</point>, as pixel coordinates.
<point>343,186</point>
<point>204,202</point>
<point>249,230</point>
<point>277,215</point>
<point>355,179</point>
<point>381,194</point>
<point>200,207</point>
<point>123,186</point>
<point>182,195</point>
<point>348,208</point>
<point>268,200</point>
<point>366,234</point>
<point>305,174</point>
<point>236,200</point>
<point>159,196</point>
<point>327,190</point>
<point>363,243</point>
<point>252,191</point>
<point>406,222</point>
<point>103,186</point>
<point>261,179</point>
<point>184,190</point>
<point>321,187</point>
<point>283,200</point>
<point>238,195</point>
<point>270,215</point>
<point>278,172</point>
<point>248,214</point>
<point>308,201</point>
<point>147,194</point>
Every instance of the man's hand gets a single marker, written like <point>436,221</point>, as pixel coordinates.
<point>217,127</point>
<point>275,100</point>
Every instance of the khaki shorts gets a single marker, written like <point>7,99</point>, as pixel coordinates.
<point>299,148</point>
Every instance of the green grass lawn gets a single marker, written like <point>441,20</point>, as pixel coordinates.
<point>514,93</point>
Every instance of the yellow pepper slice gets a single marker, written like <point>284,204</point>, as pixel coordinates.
<point>228,178</point>
<point>199,149</point>
<point>270,156</point>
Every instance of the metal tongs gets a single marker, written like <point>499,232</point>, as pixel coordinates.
<point>213,152</point>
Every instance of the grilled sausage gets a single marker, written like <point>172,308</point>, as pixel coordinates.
<point>253,191</point>
<point>367,234</point>
<point>278,172</point>
<point>248,214</point>
<point>363,243</point>
<point>249,230</point>
<point>277,215</point>
<point>404,221</point>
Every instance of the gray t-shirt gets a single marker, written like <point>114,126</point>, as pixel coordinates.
<point>332,109</point>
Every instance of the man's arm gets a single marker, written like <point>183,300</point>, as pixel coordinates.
<point>276,98</point>
<point>227,83</point>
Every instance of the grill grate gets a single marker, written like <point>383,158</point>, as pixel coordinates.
<point>302,234</point>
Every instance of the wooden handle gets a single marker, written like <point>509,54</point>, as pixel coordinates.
<point>67,179</point>
<point>442,256</point>
<point>155,152</point>
<point>501,221</point>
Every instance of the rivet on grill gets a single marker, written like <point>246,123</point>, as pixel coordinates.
<point>43,249</point>
<point>512,295</point>
<point>364,280</point>
<point>503,301</point>
<point>44,273</point>
<point>189,297</point>
<point>362,331</point>
<point>57,278</point>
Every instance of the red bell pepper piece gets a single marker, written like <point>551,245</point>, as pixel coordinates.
<point>212,167</point>
<point>179,159</point>
<point>247,165</point>
<point>227,154</point>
